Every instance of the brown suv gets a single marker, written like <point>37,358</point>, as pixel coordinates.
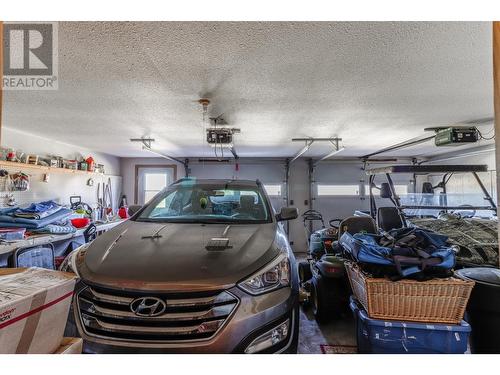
<point>204,267</point>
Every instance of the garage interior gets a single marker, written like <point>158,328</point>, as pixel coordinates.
<point>306,108</point>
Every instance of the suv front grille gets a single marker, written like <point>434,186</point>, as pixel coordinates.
<point>188,316</point>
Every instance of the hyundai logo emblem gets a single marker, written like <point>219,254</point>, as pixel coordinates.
<point>148,306</point>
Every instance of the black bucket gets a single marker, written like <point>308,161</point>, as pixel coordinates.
<point>483,309</point>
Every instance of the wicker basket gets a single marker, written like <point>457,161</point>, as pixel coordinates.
<point>433,301</point>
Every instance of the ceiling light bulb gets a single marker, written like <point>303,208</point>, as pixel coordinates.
<point>204,104</point>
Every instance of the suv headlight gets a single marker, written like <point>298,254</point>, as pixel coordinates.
<point>273,276</point>
<point>69,263</point>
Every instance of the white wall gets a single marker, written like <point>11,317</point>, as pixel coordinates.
<point>61,185</point>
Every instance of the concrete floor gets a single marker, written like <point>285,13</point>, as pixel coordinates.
<point>312,335</point>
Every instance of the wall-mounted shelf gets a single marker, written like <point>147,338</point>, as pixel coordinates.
<point>21,166</point>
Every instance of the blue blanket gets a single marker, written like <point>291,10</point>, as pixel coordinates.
<point>8,221</point>
<point>432,250</point>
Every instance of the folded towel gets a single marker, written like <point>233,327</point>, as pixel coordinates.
<point>55,229</point>
<point>8,221</point>
<point>8,210</point>
<point>38,211</point>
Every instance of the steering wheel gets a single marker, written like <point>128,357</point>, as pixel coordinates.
<point>312,214</point>
<point>336,226</point>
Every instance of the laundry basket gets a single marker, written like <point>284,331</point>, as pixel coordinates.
<point>432,301</point>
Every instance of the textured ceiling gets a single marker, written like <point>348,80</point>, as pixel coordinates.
<point>373,84</point>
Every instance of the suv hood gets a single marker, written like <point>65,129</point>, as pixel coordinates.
<point>127,256</point>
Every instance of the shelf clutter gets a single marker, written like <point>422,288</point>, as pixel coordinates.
<point>49,163</point>
<point>45,169</point>
<point>22,173</point>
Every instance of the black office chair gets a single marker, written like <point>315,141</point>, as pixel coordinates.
<point>357,224</point>
<point>389,218</point>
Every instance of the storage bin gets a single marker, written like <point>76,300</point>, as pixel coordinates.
<point>433,301</point>
<point>376,336</point>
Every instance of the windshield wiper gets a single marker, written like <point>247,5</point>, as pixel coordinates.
<point>156,235</point>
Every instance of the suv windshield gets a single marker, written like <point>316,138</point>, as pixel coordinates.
<point>191,202</point>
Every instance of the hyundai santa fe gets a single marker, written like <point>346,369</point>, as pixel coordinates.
<point>204,267</point>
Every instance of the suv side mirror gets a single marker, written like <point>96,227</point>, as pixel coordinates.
<point>287,213</point>
<point>133,209</point>
<point>385,190</point>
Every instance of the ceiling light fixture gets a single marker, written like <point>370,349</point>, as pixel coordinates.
<point>204,105</point>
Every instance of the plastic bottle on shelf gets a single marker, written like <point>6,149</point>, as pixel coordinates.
<point>11,155</point>
<point>90,164</point>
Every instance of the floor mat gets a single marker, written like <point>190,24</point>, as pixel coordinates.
<point>339,349</point>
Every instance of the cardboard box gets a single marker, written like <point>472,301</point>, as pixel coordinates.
<point>70,345</point>
<point>34,306</point>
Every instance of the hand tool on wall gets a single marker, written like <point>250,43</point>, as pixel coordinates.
<point>110,197</point>
<point>100,204</point>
